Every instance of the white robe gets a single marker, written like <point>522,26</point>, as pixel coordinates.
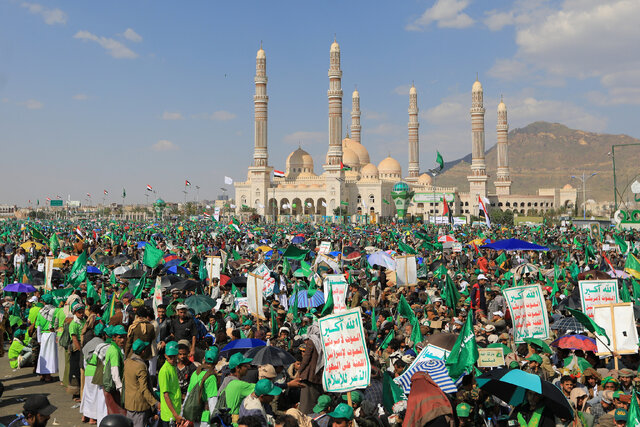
<point>48,357</point>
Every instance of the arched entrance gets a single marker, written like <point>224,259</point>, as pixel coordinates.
<point>321,209</point>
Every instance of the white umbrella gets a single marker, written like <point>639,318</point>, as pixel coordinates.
<point>121,270</point>
<point>446,238</point>
<point>382,259</point>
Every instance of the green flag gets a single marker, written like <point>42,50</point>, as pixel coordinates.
<point>632,266</point>
<point>235,292</point>
<point>391,392</point>
<point>202,271</point>
<point>274,323</point>
<point>54,243</point>
<point>502,258</point>
<point>328,303</point>
<point>103,295</point>
<point>37,234</point>
<point>137,290</point>
<point>374,323</point>
<point>439,161</point>
<point>406,248</point>
<point>295,253</point>
<point>633,419</point>
<point>236,255</point>
<point>387,340</point>
<point>622,244</point>
<point>625,296</point>
<point>294,307</point>
<point>464,353</point>
<point>286,267</point>
<point>451,294</point>
<point>152,256</point>
<point>92,293</point>
<point>78,271</point>
<point>124,193</point>
<point>112,278</point>
<point>636,291</point>
<point>588,323</point>
<point>385,201</point>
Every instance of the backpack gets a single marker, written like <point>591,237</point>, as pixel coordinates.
<point>65,338</point>
<point>193,405</point>
<point>221,414</point>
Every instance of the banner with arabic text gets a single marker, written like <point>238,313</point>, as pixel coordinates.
<point>528,312</point>
<point>597,292</point>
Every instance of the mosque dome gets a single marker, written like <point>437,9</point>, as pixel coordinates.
<point>299,161</point>
<point>355,94</point>
<point>502,107</point>
<point>567,187</point>
<point>335,47</point>
<point>369,171</point>
<point>350,158</point>
<point>413,90</point>
<point>399,187</point>
<point>477,86</point>
<point>261,54</point>
<point>425,179</point>
<point>359,149</point>
<point>389,168</point>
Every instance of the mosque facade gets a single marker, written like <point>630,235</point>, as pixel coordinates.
<point>351,181</point>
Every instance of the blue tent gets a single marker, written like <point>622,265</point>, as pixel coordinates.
<point>514,245</point>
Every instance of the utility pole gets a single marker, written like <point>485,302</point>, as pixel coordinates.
<point>584,180</point>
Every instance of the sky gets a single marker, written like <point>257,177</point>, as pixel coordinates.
<point>101,96</point>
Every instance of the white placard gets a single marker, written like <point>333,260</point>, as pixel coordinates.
<point>406,270</point>
<point>325,248</point>
<point>254,294</point>
<point>619,322</point>
<point>339,285</point>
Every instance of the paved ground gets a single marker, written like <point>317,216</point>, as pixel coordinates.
<point>20,383</point>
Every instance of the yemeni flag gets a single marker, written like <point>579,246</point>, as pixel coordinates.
<point>445,209</point>
<point>464,353</point>
<point>632,266</point>
<point>79,232</point>
<point>439,161</point>
<point>149,188</point>
<point>106,193</point>
<point>278,174</point>
<point>344,167</point>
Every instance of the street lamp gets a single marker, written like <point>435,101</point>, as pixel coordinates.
<point>584,180</point>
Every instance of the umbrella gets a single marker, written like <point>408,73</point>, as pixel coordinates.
<point>304,301</point>
<point>178,269</point>
<point>142,245</point>
<point>297,239</point>
<point>568,324</point>
<point>382,259</point>
<point>576,342</point>
<point>263,248</point>
<point>353,256</point>
<point>511,386</point>
<point>514,245</point>
<point>370,249</point>
<point>443,340</point>
<point>446,238</point>
<point>436,369</point>
<point>505,348</point>
<point>27,245</point>
<point>525,268</point>
<point>238,281</point>
<point>103,259</point>
<point>120,259</point>
<point>121,270</point>
<point>135,273</point>
<point>270,355</point>
<point>186,285</point>
<point>174,261</point>
<point>93,270</point>
<point>24,288</point>
<point>200,303</point>
<point>538,342</point>
<point>238,346</point>
<point>167,281</point>
<point>619,274</point>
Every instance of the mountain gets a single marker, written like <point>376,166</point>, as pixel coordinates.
<point>546,155</point>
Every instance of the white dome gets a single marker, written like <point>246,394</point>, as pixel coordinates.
<point>389,168</point>
<point>350,158</point>
<point>477,86</point>
<point>335,47</point>
<point>299,161</point>
<point>413,90</point>
<point>425,179</point>
<point>369,171</point>
<point>359,149</point>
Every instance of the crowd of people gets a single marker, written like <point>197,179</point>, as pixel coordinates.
<point>123,323</point>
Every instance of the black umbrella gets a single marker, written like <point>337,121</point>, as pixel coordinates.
<point>568,324</point>
<point>270,355</point>
<point>120,259</point>
<point>511,385</point>
<point>149,302</point>
<point>167,281</point>
<point>186,285</point>
<point>104,259</point>
<point>134,273</point>
<point>238,281</point>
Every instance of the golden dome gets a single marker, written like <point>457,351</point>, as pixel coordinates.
<point>299,161</point>
<point>350,158</point>
<point>568,187</point>
<point>425,179</point>
<point>359,149</point>
<point>389,168</point>
<point>477,86</point>
<point>369,171</point>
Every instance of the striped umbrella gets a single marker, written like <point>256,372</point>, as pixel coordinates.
<point>304,301</point>
<point>436,370</point>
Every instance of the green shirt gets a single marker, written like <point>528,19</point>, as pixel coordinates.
<point>75,328</point>
<point>168,382</point>
<point>44,324</point>
<point>14,351</point>
<point>209,390</point>
<point>90,368</point>
<point>33,313</point>
<point>235,392</point>
<point>59,314</point>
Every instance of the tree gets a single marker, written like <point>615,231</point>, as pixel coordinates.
<point>340,211</point>
<point>246,208</point>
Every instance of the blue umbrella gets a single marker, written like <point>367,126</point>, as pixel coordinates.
<point>175,261</point>
<point>334,253</point>
<point>304,301</point>
<point>238,346</point>
<point>24,288</point>
<point>269,254</point>
<point>297,239</point>
<point>382,259</point>
<point>93,270</point>
<point>142,245</point>
<point>178,269</point>
<point>514,245</point>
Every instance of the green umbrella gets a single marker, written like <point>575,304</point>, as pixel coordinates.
<point>505,349</point>
<point>537,341</point>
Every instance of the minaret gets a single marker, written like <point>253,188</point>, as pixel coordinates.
<point>503,182</point>
<point>355,116</point>
<point>414,149</point>
<point>334,155</point>
<point>260,101</point>
<point>478,177</point>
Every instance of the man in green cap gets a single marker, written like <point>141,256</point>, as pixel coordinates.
<point>113,369</point>
<point>48,355</point>
<point>258,403</point>
<point>534,366</point>
<point>169,386</point>
<point>341,416</point>
<point>75,349</point>
<point>20,355</point>
<point>463,411</point>
<point>321,410</point>
<point>234,389</point>
<point>138,399</point>
<point>206,374</point>
<point>620,417</point>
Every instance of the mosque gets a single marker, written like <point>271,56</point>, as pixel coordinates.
<point>351,181</point>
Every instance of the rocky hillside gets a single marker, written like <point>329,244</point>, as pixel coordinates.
<point>544,155</point>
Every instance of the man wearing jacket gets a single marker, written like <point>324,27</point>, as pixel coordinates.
<point>138,399</point>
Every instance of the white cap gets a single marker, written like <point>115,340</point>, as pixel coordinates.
<point>498,313</point>
<point>482,276</point>
<point>33,299</point>
<point>182,307</point>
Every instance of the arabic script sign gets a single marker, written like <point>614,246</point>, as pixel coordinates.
<point>346,361</point>
<point>528,312</point>
<point>597,292</point>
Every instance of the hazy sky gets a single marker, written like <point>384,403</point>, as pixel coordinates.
<point>112,94</point>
